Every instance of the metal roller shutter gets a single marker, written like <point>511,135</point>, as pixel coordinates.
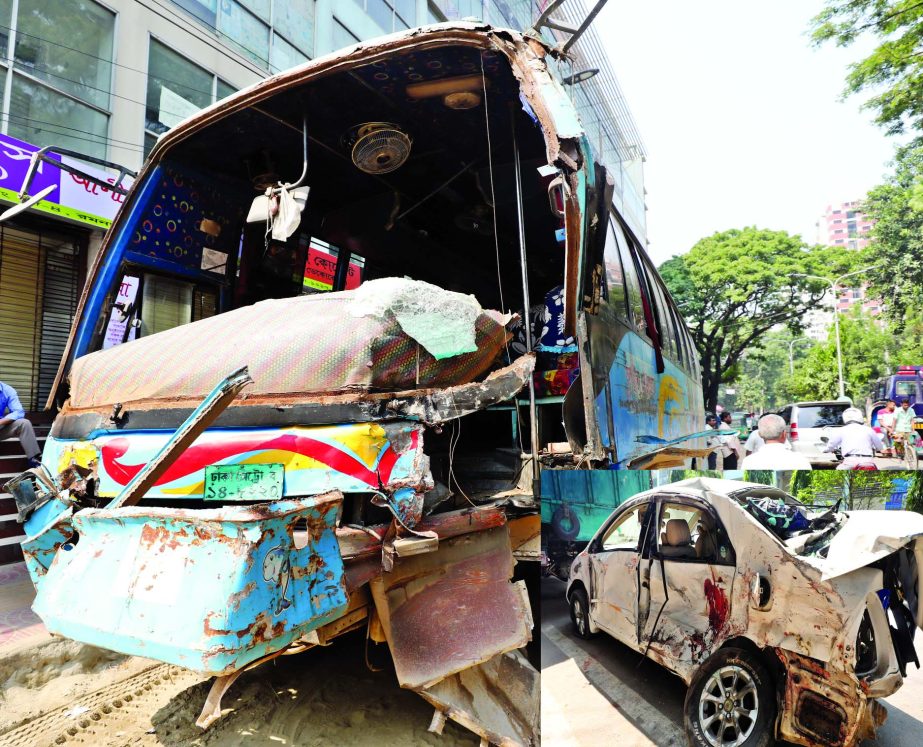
<point>38,295</point>
<point>20,318</point>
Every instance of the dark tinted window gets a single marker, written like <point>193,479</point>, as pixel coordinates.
<point>615,275</point>
<point>905,388</point>
<point>820,416</point>
<point>635,300</point>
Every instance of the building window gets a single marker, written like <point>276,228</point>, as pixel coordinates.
<point>176,89</point>
<point>58,95</point>
<point>274,34</point>
<point>390,15</point>
<point>342,36</point>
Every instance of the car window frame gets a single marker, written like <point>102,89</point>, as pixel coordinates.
<point>704,507</point>
<point>596,545</point>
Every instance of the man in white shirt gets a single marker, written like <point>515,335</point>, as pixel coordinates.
<point>855,440</point>
<point>774,454</point>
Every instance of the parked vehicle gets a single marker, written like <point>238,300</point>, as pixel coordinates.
<point>906,383</point>
<point>785,623</point>
<point>808,422</point>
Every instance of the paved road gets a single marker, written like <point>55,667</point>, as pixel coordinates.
<point>592,690</point>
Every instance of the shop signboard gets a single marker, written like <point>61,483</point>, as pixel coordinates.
<point>72,197</point>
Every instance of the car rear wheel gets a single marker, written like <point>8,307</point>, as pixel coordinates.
<point>580,613</point>
<point>731,702</point>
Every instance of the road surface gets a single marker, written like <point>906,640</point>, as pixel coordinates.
<point>594,689</point>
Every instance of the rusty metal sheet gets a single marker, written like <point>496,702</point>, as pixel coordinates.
<point>210,590</point>
<point>453,608</point>
<point>498,700</point>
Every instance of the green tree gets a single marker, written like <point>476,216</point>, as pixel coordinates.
<point>897,249</point>
<point>893,71</point>
<point>736,286</point>
<point>869,352</point>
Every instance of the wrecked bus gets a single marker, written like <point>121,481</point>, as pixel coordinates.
<point>323,357</point>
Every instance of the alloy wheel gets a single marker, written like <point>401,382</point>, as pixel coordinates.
<point>728,707</point>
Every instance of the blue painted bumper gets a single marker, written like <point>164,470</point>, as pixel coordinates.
<point>210,590</point>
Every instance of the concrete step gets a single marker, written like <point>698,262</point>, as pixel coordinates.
<point>9,527</point>
<point>10,551</point>
<point>12,447</point>
<point>13,464</point>
<point>7,503</point>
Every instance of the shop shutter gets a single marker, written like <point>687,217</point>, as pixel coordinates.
<point>60,291</point>
<point>20,311</point>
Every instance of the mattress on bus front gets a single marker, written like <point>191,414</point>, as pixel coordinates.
<point>387,335</point>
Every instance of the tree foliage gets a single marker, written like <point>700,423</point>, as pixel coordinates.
<point>869,352</point>
<point>736,286</point>
<point>893,71</point>
<point>897,209</point>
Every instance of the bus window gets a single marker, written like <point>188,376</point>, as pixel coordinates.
<point>615,275</point>
<point>165,303</point>
<point>904,387</point>
<point>667,331</point>
<point>635,300</point>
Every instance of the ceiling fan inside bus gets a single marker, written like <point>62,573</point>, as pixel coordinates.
<point>377,147</point>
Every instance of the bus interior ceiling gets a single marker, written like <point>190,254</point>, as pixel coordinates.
<point>430,219</point>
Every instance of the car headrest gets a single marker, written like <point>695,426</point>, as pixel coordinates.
<point>678,533</point>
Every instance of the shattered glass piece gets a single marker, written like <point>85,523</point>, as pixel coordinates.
<point>441,321</point>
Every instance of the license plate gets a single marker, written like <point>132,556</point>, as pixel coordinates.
<point>244,482</point>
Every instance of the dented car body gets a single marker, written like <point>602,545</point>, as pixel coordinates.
<point>781,620</point>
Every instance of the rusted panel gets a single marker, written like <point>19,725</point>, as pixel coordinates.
<point>822,706</point>
<point>452,609</point>
<point>211,590</point>
<point>526,536</point>
<point>39,551</point>
<point>498,700</point>
<point>362,543</point>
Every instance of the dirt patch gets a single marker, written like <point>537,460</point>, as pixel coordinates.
<point>36,680</point>
<point>321,697</point>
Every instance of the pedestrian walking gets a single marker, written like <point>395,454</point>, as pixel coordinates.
<point>731,450</point>
<point>775,453</point>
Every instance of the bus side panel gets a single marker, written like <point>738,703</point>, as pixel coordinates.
<point>649,408</point>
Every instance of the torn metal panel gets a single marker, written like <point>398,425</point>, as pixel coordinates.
<point>39,549</point>
<point>868,536</point>
<point>209,590</point>
<point>358,543</point>
<point>448,610</point>
<point>498,700</point>
<point>526,536</point>
<point>357,457</point>
<point>821,706</point>
<point>215,401</point>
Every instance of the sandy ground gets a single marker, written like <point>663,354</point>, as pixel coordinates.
<point>65,693</point>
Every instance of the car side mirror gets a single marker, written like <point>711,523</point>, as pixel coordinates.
<point>760,593</point>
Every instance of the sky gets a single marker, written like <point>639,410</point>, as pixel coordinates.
<point>741,116</point>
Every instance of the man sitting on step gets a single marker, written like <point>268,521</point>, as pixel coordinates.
<point>13,423</point>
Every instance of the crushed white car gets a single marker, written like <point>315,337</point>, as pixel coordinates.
<point>785,622</point>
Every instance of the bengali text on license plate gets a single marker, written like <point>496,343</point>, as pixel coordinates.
<point>243,482</point>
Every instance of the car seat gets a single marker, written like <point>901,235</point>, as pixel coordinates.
<point>676,541</point>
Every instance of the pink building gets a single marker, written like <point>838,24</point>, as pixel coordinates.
<point>844,225</point>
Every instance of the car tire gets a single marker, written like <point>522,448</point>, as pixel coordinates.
<point>580,613</point>
<point>565,523</point>
<point>749,707</point>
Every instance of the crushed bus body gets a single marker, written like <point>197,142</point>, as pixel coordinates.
<point>413,250</point>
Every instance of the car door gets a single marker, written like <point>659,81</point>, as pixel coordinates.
<point>615,560</point>
<point>691,577</point>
